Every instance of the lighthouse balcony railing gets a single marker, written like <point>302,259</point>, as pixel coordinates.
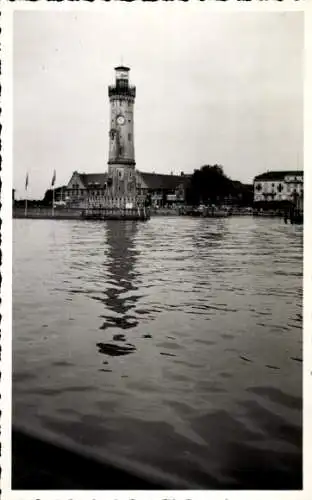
<point>128,90</point>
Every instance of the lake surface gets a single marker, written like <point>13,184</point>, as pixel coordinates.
<point>171,347</point>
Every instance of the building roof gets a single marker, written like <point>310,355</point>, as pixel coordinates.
<point>163,181</point>
<point>96,179</point>
<point>277,175</point>
<point>152,180</point>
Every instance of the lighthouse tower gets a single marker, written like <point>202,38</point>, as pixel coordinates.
<point>121,163</point>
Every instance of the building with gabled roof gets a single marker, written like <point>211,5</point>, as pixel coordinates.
<point>162,189</point>
<point>84,189</point>
<point>278,186</point>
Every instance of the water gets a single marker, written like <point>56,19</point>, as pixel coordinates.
<point>172,347</point>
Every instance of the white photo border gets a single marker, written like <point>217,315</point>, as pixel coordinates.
<point>8,9</point>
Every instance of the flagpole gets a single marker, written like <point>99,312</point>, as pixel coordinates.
<point>52,201</point>
<point>26,186</point>
<point>53,193</point>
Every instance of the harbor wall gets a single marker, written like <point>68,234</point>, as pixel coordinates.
<point>72,213</point>
<point>46,213</point>
<point>77,213</point>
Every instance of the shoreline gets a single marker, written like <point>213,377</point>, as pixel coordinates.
<point>76,214</point>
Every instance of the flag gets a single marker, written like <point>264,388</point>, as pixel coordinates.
<point>26,182</point>
<point>53,178</point>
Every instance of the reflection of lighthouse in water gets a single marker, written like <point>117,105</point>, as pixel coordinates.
<point>120,293</point>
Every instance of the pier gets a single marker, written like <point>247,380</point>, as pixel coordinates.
<point>46,213</point>
<point>137,213</point>
<point>140,214</point>
<point>294,216</point>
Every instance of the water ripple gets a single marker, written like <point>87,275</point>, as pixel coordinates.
<point>176,344</point>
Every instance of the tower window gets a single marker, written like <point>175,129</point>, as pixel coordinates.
<point>119,173</point>
<point>129,137</point>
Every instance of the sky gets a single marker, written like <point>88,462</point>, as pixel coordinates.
<point>212,87</point>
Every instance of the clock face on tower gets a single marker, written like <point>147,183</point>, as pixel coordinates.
<point>120,120</point>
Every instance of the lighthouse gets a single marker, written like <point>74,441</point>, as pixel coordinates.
<point>121,162</point>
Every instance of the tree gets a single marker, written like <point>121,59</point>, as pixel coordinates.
<point>48,197</point>
<point>209,184</point>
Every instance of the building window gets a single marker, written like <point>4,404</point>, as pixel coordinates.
<point>258,187</point>
<point>280,187</point>
<point>119,173</point>
<point>129,137</point>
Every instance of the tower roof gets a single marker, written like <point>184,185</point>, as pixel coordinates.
<point>123,68</point>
